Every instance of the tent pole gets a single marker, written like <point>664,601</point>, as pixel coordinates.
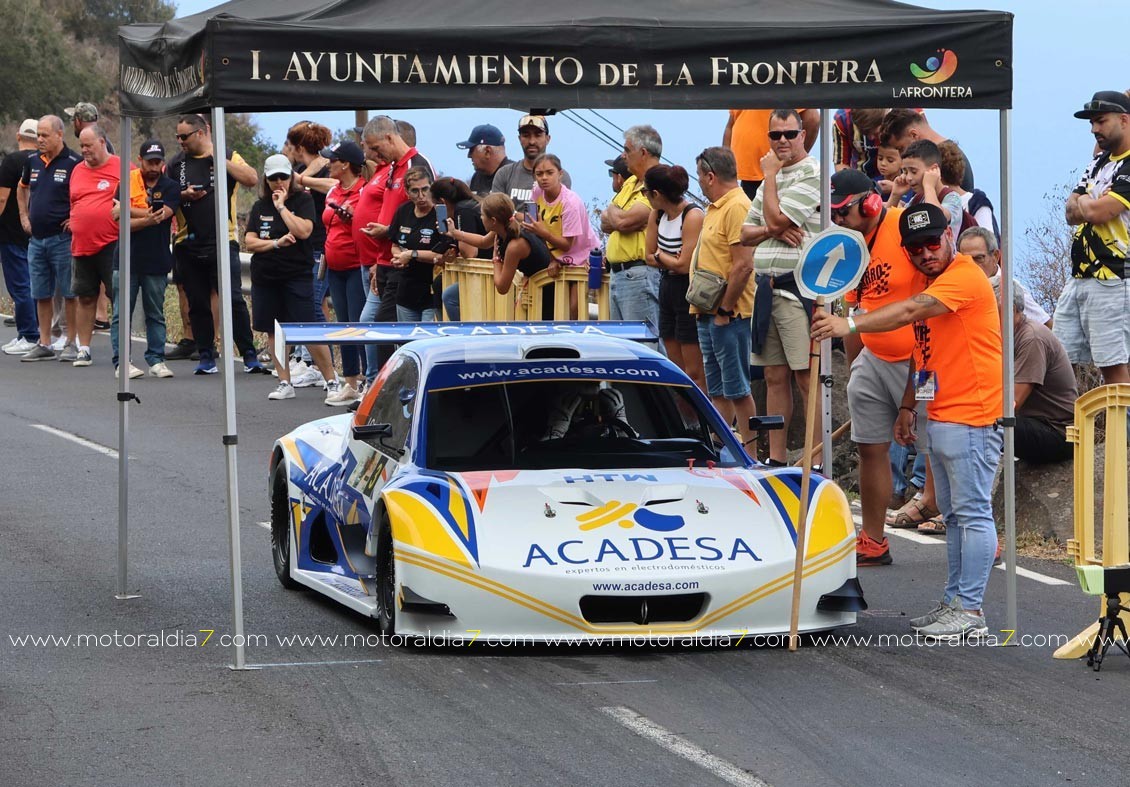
<point>1009,364</point>
<point>826,347</point>
<point>124,342</point>
<point>223,261</point>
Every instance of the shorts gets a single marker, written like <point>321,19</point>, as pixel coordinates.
<point>50,263</point>
<point>1091,321</point>
<point>93,270</point>
<point>725,349</point>
<point>289,300</point>
<point>874,393</point>
<point>789,340</point>
<point>675,318</point>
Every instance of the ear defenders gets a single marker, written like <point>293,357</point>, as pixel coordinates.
<point>871,205</point>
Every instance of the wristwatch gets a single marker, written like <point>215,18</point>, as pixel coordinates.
<point>415,254</point>
<point>724,312</point>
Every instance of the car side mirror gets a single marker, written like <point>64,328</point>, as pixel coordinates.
<point>766,423</point>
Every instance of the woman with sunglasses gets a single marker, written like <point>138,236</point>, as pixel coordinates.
<point>466,213</point>
<point>415,232</point>
<point>669,242</point>
<point>515,249</point>
<point>279,228</point>
<point>343,263</point>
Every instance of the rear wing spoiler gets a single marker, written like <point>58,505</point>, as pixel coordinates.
<point>362,333</point>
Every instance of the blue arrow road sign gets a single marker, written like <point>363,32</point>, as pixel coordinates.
<point>832,263</point>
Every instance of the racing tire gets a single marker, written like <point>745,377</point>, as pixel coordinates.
<point>281,528</point>
<point>386,580</point>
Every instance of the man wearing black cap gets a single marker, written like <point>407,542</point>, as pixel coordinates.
<point>957,371</point>
<point>618,170</point>
<point>1099,209</point>
<point>516,179</point>
<point>154,199</point>
<point>487,150</point>
<point>880,364</point>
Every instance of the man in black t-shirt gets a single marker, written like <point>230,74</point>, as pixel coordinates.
<point>154,199</point>
<point>13,243</point>
<point>486,148</point>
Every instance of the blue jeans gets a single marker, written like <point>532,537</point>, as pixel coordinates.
<point>17,276</point>
<point>321,287</point>
<point>347,291</point>
<point>451,302</point>
<point>369,314</point>
<point>899,454</point>
<point>49,263</point>
<point>153,304</point>
<point>404,314</point>
<point>725,356</point>
<point>964,460</point>
<point>635,294</point>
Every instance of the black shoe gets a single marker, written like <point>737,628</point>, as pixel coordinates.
<point>9,321</point>
<point>184,350</point>
<point>101,325</point>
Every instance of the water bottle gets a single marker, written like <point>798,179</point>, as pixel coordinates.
<point>596,269</point>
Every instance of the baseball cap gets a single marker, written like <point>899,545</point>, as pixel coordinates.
<point>922,221</point>
<point>277,164</point>
<point>481,135</point>
<point>617,166</point>
<point>29,129</point>
<point>848,183</point>
<point>1103,102</point>
<point>348,152</point>
<point>537,121</point>
<point>83,110</point>
<point>152,149</point>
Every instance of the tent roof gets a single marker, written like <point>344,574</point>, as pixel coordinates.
<point>319,54</point>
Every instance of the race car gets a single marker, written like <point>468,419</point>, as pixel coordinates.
<point>545,481</point>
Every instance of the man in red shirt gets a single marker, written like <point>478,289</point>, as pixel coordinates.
<point>94,233</point>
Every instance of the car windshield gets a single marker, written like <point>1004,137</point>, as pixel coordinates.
<point>588,424</point>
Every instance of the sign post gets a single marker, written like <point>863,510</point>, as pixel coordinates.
<point>831,263</point>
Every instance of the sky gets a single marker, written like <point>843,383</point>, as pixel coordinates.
<point>1058,65</point>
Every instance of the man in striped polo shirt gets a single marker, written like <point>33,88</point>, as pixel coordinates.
<point>784,214</point>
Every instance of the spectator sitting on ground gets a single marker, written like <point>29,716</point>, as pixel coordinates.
<point>1045,390</point>
<point>279,228</point>
<point>901,127</point>
<point>981,245</point>
<point>783,215</point>
<point>486,147</point>
<point>922,177</point>
<point>561,221</point>
<point>415,234</point>
<point>975,202</point>
<point>672,234</point>
<point>464,212</point>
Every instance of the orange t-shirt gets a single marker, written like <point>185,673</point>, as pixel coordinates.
<point>890,278</point>
<point>962,347</point>
<point>749,140</point>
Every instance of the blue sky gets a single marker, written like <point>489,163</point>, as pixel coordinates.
<point>1058,65</point>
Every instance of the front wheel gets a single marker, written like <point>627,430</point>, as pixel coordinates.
<point>281,527</point>
<point>386,580</point>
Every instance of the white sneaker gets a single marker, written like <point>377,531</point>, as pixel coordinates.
<point>159,369</point>
<point>341,395</point>
<point>18,346</point>
<point>298,367</point>
<point>134,372</point>
<point>59,343</point>
<point>284,391</point>
<point>307,378</point>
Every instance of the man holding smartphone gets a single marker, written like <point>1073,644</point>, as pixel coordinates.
<point>154,198</point>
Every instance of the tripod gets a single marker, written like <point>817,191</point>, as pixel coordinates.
<point>1108,624</point>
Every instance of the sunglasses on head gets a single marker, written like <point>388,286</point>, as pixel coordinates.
<point>933,244</point>
<point>790,134</point>
<point>1104,106</point>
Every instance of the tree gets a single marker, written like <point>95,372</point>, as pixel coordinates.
<point>1044,261</point>
<point>99,20</point>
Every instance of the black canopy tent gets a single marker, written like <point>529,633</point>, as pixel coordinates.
<point>261,55</point>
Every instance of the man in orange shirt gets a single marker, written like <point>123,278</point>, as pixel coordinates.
<point>879,370</point>
<point>747,135</point>
<point>957,363</point>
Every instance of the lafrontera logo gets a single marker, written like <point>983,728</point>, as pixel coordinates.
<point>938,68</point>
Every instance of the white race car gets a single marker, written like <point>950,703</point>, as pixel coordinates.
<point>563,485</point>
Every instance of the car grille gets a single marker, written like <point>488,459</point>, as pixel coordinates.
<point>643,610</point>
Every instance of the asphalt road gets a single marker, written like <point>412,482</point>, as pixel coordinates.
<point>323,712</point>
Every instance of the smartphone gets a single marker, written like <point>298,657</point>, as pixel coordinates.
<point>531,214</point>
<point>441,217</point>
<point>156,205</point>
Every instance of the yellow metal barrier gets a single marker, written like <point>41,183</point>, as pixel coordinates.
<point>1112,400</point>
<point>480,302</point>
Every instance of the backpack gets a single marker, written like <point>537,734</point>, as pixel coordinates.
<point>977,200</point>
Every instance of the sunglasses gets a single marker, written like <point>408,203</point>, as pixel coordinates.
<point>933,244</point>
<point>842,211</point>
<point>1104,106</point>
<point>278,176</point>
<point>183,137</point>
<point>791,134</point>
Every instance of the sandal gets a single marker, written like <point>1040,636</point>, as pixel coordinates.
<point>934,526</point>
<point>912,514</point>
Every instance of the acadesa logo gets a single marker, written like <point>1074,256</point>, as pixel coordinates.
<point>937,70</point>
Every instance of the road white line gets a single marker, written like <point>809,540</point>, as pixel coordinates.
<point>646,728</point>
<point>315,663</point>
<point>914,535</point>
<point>1034,575</point>
<point>604,682</point>
<point>74,438</point>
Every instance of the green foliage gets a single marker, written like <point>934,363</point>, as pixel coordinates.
<point>246,138</point>
<point>99,20</point>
